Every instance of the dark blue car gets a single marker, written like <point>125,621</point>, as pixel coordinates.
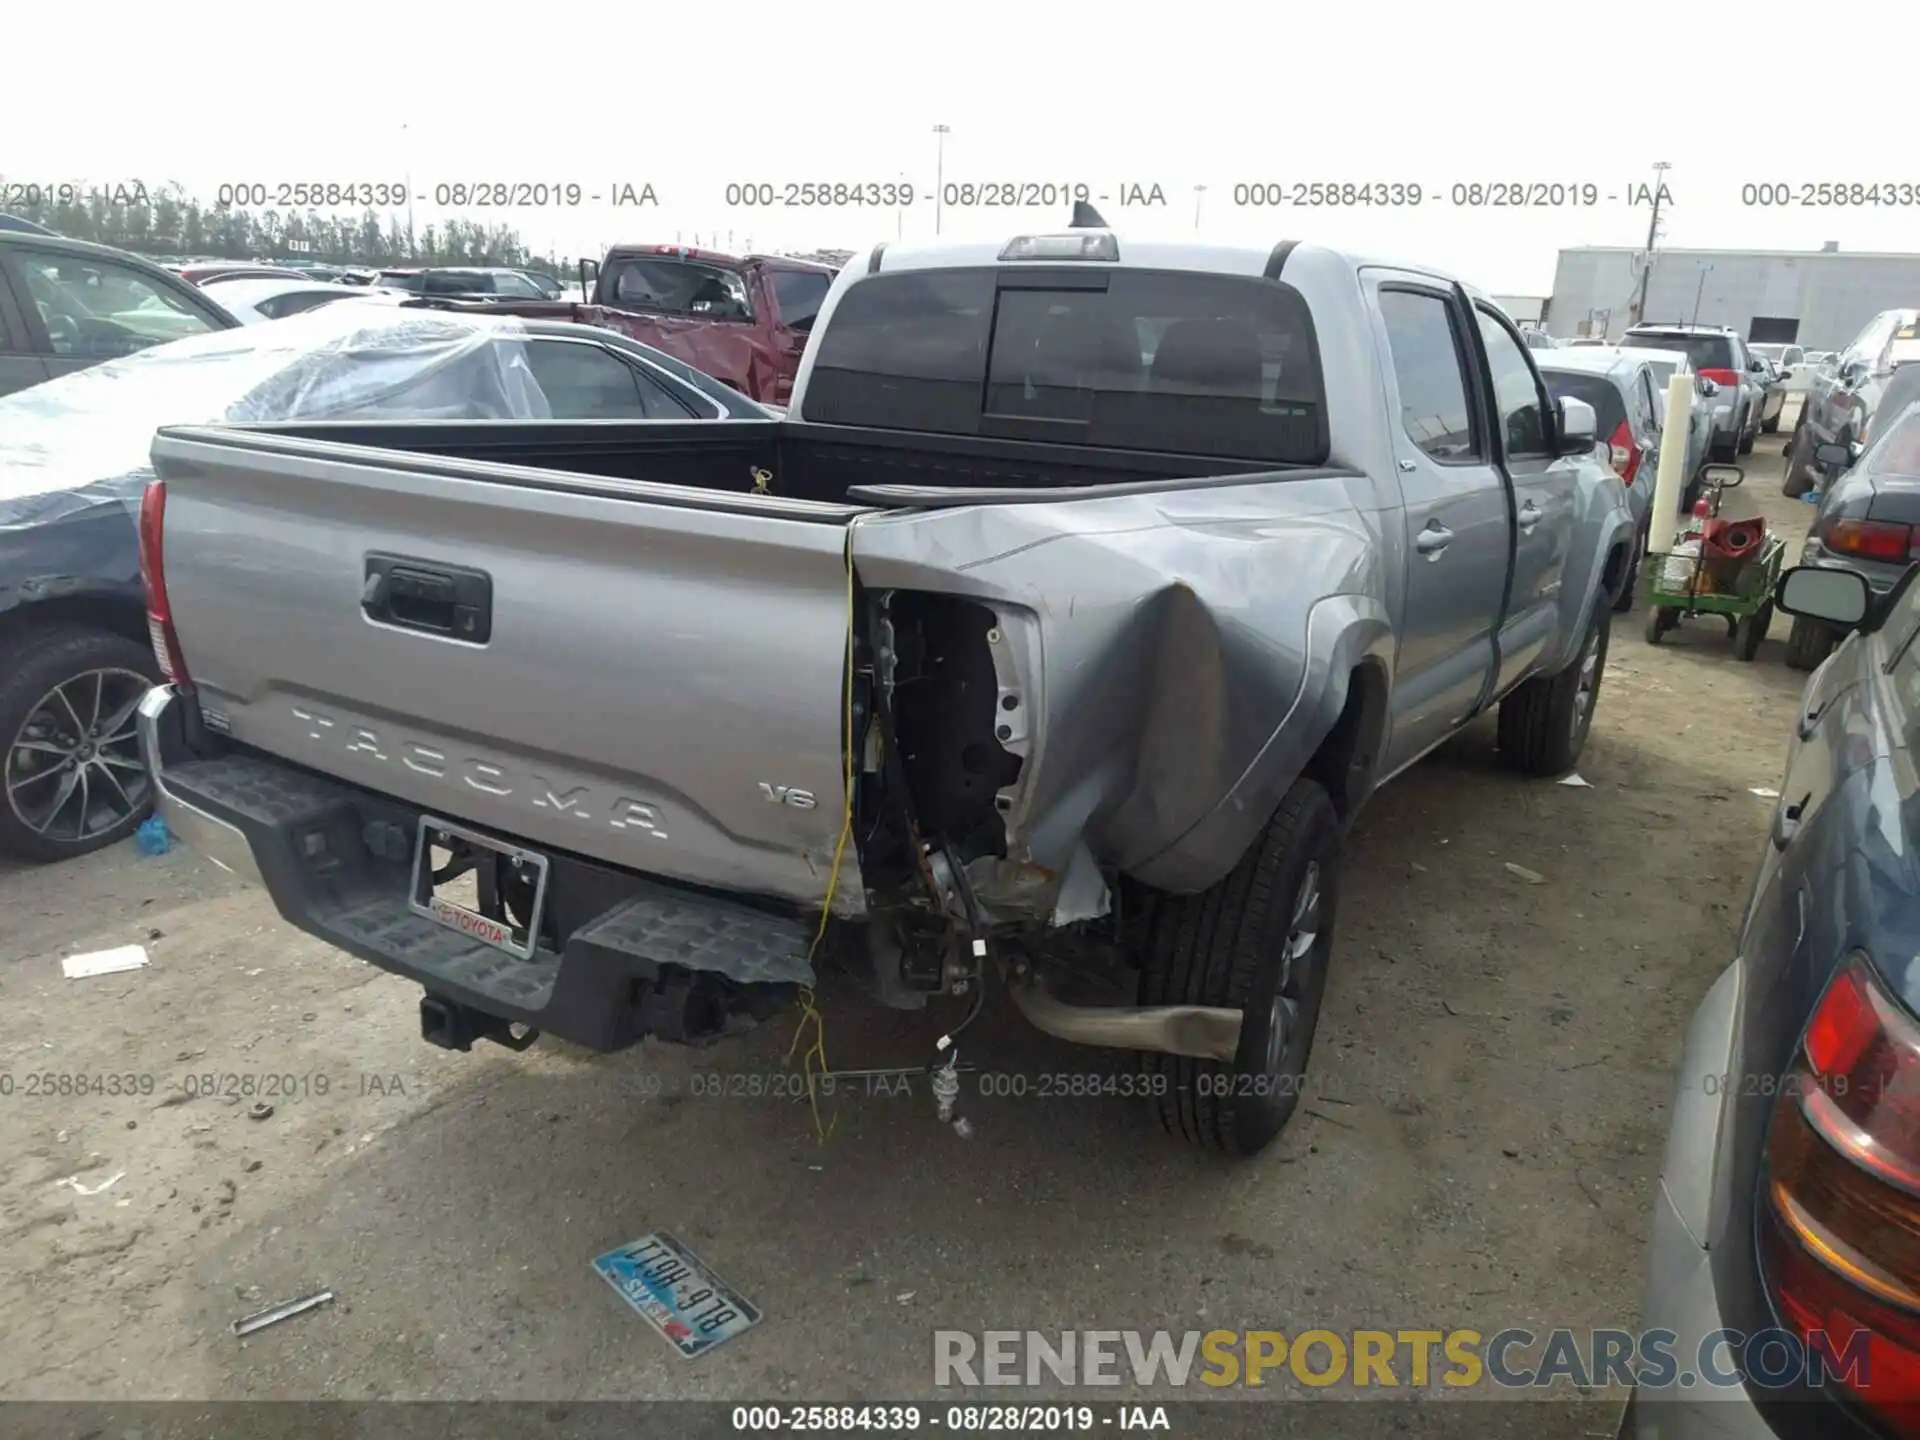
<point>1785,1262</point>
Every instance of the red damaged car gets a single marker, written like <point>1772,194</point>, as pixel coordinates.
<point>742,319</point>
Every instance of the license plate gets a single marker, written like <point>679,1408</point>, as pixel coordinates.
<point>675,1292</point>
<point>455,900</point>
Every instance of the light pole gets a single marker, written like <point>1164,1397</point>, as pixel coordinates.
<point>406,149</point>
<point>1699,290</point>
<point>1199,197</point>
<point>940,133</point>
<point>1660,168</point>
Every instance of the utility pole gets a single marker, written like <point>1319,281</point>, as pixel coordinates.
<point>406,151</point>
<point>1660,168</point>
<point>1199,197</point>
<point>940,133</point>
<point>1699,290</point>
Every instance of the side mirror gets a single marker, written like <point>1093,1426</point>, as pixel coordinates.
<point>1579,426</point>
<point>1838,597</point>
<point>1836,457</point>
<point>589,278</point>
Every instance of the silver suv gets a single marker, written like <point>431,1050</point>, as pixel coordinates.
<point>1719,355</point>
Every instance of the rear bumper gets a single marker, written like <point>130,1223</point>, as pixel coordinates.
<point>621,956</point>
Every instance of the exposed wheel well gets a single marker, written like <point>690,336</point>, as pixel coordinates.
<point>1349,758</point>
<point>1615,573</point>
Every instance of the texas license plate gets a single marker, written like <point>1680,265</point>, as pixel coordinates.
<point>675,1292</point>
<point>451,894</point>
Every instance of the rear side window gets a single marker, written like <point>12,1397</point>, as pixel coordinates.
<point>1213,365</point>
<point>1597,390</point>
<point>584,382</point>
<point>797,294</point>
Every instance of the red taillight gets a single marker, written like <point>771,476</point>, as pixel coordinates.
<point>1721,377</point>
<point>1624,454</point>
<point>153,579</point>
<point>1840,1232</point>
<point>1870,539</point>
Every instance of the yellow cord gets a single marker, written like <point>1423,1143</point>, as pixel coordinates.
<point>816,1053</point>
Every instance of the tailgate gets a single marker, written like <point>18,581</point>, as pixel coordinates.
<point>657,680</point>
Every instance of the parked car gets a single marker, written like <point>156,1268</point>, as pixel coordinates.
<point>1721,355</point>
<point>252,301</point>
<point>742,319</point>
<point>68,304</point>
<point>199,272</point>
<point>1629,405</point>
<point>1869,517</point>
<point>1839,409</point>
<point>1773,399</point>
<point>1786,1198</point>
<point>1662,366</point>
<point>974,428</point>
<point>1538,339</point>
<point>73,462</point>
<point>477,281</point>
<point>25,227</point>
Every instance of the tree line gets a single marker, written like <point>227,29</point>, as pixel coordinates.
<point>163,220</point>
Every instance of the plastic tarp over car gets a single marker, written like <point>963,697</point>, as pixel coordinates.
<point>83,441</point>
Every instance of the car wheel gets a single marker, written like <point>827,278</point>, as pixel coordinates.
<point>1799,477</point>
<point>1623,602</point>
<point>73,781</point>
<point>1544,723</point>
<point>1258,942</point>
<point>1771,427</point>
<point>1661,619</point>
<point>1808,643</point>
<point>1746,442</point>
<point>1752,631</point>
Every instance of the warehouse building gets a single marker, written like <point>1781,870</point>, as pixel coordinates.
<point>1816,298</point>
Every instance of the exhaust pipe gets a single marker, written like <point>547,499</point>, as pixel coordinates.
<point>1205,1032</point>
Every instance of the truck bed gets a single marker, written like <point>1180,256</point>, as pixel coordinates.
<point>822,463</point>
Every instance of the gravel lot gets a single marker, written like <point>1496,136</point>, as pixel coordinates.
<point>1492,1077</point>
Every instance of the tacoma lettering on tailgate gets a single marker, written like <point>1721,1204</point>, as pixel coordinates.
<point>487,776</point>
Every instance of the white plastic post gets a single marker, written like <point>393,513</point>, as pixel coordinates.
<point>1670,481</point>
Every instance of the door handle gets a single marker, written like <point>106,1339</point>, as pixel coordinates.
<point>1810,722</point>
<point>1432,540</point>
<point>1529,515</point>
<point>1786,822</point>
<point>448,600</point>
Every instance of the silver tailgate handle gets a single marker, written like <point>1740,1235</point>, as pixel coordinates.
<point>1432,540</point>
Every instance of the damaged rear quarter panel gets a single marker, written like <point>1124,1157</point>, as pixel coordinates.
<point>1163,641</point>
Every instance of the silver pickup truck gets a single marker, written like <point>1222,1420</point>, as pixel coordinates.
<point>1049,644</point>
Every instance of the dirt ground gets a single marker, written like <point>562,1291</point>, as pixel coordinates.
<point>1490,1097</point>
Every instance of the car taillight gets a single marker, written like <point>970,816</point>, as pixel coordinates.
<point>1840,1236</point>
<point>1870,539</point>
<point>153,579</point>
<point>1624,454</point>
<point>1721,377</point>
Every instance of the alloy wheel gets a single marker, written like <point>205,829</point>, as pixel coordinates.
<point>73,771</point>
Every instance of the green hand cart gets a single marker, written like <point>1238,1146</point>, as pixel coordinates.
<point>1677,586</point>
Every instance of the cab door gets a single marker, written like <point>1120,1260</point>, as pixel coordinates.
<point>1454,510</point>
<point>1541,489</point>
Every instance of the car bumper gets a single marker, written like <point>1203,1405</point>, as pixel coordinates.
<point>1881,576</point>
<point>1681,1295</point>
<point>622,956</point>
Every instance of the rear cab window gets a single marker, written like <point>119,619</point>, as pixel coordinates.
<point>1705,352</point>
<point>670,285</point>
<point>1129,359</point>
<point>797,295</point>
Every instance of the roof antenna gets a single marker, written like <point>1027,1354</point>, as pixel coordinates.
<point>1085,217</point>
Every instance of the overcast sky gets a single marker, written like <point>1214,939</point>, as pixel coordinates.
<point>1201,93</point>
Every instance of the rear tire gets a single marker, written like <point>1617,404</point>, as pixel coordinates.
<point>1258,941</point>
<point>1543,724</point>
<point>1623,602</point>
<point>1808,644</point>
<point>44,816</point>
<point>1770,427</point>
<point>1746,442</point>
<point>1752,631</point>
<point>1799,477</point>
